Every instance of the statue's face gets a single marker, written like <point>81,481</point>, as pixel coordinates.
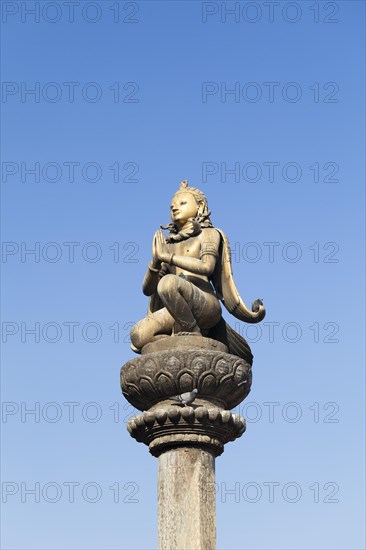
<point>183,207</point>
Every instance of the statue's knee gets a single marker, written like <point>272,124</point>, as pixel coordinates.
<point>136,336</point>
<point>167,284</point>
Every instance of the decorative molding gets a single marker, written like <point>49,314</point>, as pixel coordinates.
<point>220,377</point>
<point>166,427</point>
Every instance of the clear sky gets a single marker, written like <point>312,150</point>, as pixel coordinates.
<point>106,107</point>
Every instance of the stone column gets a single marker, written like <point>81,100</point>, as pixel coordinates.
<point>186,498</point>
<point>186,439</point>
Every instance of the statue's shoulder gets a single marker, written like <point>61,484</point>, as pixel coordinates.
<point>211,234</point>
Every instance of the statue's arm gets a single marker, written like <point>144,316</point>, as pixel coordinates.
<point>150,282</point>
<point>204,266</point>
<point>156,270</point>
<point>153,275</point>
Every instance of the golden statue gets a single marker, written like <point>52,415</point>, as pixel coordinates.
<point>189,274</point>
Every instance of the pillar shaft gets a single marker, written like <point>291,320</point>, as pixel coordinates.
<point>186,439</point>
<point>186,499</point>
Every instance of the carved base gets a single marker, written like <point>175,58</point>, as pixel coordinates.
<point>168,426</point>
<point>178,364</point>
<point>175,365</point>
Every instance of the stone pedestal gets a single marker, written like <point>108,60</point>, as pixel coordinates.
<point>186,438</point>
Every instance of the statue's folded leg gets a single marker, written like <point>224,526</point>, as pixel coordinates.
<point>153,327</point>
<point>191,308</point>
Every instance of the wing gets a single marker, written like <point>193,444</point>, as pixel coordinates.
<point>236,344</point>
<point>223,281</point>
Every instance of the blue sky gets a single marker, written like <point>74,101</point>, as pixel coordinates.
<point>263,110</point>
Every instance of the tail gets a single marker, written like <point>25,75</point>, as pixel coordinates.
<point>176,398</point>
